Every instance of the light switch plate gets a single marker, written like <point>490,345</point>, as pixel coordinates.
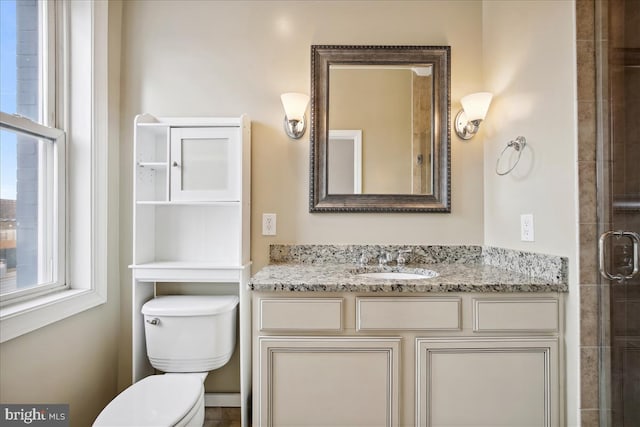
<point>526,227</point>
<point>268,224</point>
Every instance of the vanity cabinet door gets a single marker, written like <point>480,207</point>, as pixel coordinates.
<point>205,164</point>
<point>323,381</point>
<point>487,382</point>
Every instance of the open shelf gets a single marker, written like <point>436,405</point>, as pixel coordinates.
<point>153,165</point>
<point>186,271</point>
<point>187,203</point>
<point>192,233</point>
<point>148,121</point>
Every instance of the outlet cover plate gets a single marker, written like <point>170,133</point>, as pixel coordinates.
<point>268,224</point>
<point>526,228</point>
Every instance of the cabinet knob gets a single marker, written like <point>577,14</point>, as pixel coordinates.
<point>175,164</point>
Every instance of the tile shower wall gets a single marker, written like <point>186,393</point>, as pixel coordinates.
<point>586,39</point>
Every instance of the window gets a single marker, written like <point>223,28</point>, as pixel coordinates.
<point>32,153</point>
<point>32,209</point>
<point>54,54</point>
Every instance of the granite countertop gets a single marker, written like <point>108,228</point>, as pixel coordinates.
<point>460,270</point>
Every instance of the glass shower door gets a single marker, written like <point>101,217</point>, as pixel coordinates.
<point>620,217</point>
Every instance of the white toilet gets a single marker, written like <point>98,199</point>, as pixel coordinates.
<point>186,336</point>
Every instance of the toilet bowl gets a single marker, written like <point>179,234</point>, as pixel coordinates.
<point>186,337</point>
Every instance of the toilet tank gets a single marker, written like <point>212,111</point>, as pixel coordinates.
<point>188,333</point>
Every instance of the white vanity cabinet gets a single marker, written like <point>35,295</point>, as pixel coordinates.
<point>478,381</point>
<point>191,228</point>
<point>328,381</point>
<point>388,359</point>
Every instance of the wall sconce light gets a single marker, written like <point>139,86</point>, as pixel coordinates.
<point>474,110</point>
<point>295,105</point>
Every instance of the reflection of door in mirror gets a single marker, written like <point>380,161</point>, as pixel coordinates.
<point>422,139</point>
<point>392,104</point>
<point>345,162</point>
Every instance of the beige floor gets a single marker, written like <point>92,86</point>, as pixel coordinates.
<point>222,417</point>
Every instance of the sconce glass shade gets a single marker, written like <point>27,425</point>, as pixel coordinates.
<point>474,110</point>
<point>295,106</point>
<point>476,105</point>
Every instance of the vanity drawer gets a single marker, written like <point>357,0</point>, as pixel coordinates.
<point>508,315</point>
<point>409,313</point>
<point>301,314</point>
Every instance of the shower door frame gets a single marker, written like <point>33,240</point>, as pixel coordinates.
<point>611,309</point>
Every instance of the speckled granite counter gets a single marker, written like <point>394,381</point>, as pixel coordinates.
<point>329,268</point>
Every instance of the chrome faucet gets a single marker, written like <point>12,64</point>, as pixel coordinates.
<point>385,258</point>
<point>402,256</point>
<point>363,260</point>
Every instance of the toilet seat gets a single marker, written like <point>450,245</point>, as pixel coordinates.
<point>158,400</point>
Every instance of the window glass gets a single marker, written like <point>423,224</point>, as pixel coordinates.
<point>21,57</point>
<point>28,209</point>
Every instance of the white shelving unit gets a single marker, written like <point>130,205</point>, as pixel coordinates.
<point>191,223</point>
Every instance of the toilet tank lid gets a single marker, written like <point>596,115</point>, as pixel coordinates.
<point>190,305</point>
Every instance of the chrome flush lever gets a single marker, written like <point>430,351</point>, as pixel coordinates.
<point>154,321</point>
<point>635,239</point>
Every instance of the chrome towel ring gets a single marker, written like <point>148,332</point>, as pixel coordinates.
<point>517,144</point>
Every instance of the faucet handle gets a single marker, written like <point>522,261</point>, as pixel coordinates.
<point>382,260</point>
<point>402,258</point>
<point>363,260</point>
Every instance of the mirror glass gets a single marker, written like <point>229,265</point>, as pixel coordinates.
<point>390,106</point>
<point>379,135</point>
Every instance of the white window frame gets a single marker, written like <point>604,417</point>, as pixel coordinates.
<point>82,111</point>
<point>51,206</point>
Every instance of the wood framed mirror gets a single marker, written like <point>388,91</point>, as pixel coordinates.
<point>398,99</point>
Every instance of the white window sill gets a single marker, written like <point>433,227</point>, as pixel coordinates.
<point>20,318</point>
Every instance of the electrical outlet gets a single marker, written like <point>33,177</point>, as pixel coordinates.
<point>526,227</point>
<point>268,224</point>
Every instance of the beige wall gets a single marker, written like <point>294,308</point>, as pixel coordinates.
<point>529,65</point>
<point>227,58</point>
<point>75,360</point>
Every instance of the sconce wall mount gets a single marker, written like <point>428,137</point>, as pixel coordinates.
<point>295,106</point>
<point>474,110</point>
<point>466,128</point>
<point>294,128</point>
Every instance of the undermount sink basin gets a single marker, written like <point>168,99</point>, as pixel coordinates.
<point>424,274</point>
